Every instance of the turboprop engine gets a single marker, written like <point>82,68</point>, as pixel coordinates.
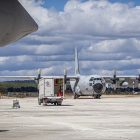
<point>124,84</point>
<point>114,80</point>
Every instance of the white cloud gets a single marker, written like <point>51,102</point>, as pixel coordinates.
<point>94,18</point>
<point>116,46</point>
<point>107,36</point>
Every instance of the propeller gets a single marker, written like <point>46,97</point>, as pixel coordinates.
<point>65,77</point>
<point>138,78</point>
<point>122,82</point>
<point>39,76</point>
<point>114,79</point>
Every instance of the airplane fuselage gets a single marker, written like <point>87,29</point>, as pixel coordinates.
<point>92,85</point>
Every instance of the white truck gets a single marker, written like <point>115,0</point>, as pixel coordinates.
<point>51,90</point>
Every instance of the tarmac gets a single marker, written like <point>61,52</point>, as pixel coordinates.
<point>81,119</point>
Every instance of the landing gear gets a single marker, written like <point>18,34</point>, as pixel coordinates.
<point>97,96</point>
<point>75,96</point>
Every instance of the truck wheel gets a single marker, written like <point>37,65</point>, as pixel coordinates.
<point>59,104</point>
<point>39,101</point>
<point>44,104</point>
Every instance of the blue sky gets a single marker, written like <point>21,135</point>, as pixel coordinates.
<point>59,4</point>
<point>106,33</point>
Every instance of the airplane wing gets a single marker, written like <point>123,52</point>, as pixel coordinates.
<point>72,77</point>
<point>18,77</point>
<point>30,77</point>
<point>15,22</point>
<point>113,79</point>
<point>35,77</point>
<point>121,77</point>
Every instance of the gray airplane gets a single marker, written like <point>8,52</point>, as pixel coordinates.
<point>94,85</point>
<point>15,22</point>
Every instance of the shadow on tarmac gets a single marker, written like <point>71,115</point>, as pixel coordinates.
<point>4,130</point>
<point>83,98</point>
<point>59,105</point>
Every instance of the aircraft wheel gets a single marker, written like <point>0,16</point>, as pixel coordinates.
<point>97,96</point>
<point>75,96</point>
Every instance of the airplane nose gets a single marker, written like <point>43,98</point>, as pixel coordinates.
<point>98,87</point>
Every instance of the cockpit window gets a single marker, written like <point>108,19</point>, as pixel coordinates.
<point>97,78</point>
<point>91,79</point>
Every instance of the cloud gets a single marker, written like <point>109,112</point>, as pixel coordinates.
<point>92,18</point>
<point>107,36</point>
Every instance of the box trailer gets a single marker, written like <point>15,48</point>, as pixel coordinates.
<point>51,90</point>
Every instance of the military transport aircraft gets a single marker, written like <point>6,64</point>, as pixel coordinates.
<point>15,22</point>
<point>95,85</point>
<point>91,85</point>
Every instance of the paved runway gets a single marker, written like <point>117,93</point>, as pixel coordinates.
<point>86,119</point>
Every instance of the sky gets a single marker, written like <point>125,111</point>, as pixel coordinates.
<point>106,33</point>
<point>59,4</point>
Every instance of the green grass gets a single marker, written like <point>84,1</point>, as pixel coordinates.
<point>6,85</point>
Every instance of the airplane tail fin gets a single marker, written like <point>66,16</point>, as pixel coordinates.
<point>77,71</point>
